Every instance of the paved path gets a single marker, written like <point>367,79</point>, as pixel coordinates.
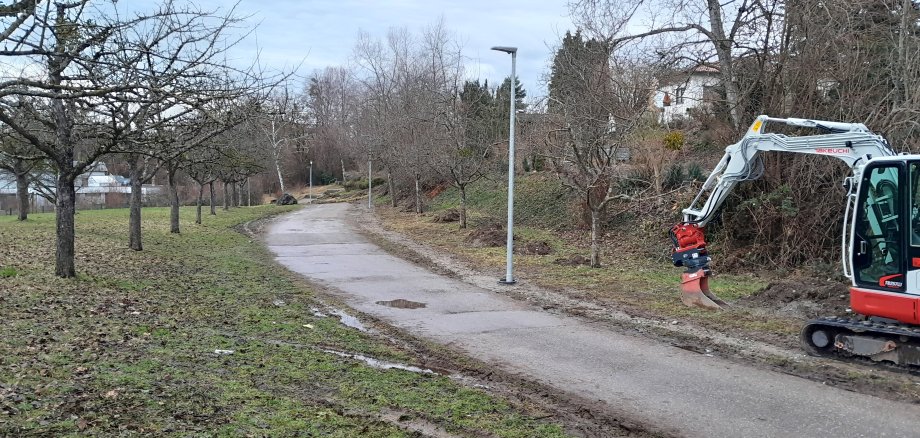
<point>649,382</point>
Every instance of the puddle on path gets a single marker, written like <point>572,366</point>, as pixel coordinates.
<point>380,364</point>
<point>349,320</point>
<point>402,304</point>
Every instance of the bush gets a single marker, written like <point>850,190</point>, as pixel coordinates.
<point>695,172</point>
<point>361,184</point>
<point>674,141</point>
<point>674,177</point>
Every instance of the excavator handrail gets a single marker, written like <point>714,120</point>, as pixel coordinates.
<point>848,229</point>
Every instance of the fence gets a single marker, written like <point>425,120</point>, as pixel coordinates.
<point>9,211</point>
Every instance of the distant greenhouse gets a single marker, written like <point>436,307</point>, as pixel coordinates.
<point>95,188</point>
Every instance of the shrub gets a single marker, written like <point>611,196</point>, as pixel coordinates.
<point>674,141</point>
<point>695,172</point>
<point>361,184</point>
<point>674,177</point>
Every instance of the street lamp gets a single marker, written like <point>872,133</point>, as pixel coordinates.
<point>509,278</point>
<point>311,180</point>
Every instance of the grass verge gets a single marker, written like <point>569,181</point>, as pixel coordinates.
<point>129,347</point>
<point>636,276</point>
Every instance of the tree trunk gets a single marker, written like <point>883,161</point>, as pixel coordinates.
<point>462,206</point>
<point>278,168</point>
<point>343,171</point>
<point>391,188</point>
<point>173,201</point>
<point>595,238</point>
<point>66,210</point>
<point>724,53</point>
<point>239,193</point>
<point>200,200</point>
<point>234,195</point>
<point>213,198</point>
<point>135,202</point>
<point>418,194</point>
<point>226,195</point>
<point>22,189</point>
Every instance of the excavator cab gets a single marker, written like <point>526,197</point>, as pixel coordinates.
<point>885,249</point>
<point>878,232</point>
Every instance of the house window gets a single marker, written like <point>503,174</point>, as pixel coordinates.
<point>679,95</point>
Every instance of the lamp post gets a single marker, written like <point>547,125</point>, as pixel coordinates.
<point>370,193</point>
<point>509,277</point>
<point>311,180</point>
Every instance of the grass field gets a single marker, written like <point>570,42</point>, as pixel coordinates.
<point>128,348</point>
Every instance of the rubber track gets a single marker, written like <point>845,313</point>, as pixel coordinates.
<point>863,327</point>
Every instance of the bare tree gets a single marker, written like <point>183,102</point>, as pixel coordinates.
<point>466,117</point>
<point>597,103</point>
<point>75,47</point>
<point>283,123</point>
<point>90,59</point>
<point>179,68</point>
<point>22,160</point>
<point>330,100</point>
<point>702,31</point>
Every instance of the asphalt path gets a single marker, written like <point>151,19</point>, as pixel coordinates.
<point>646,381</point>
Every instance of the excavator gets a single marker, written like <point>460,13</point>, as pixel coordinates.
<point>880,239</point>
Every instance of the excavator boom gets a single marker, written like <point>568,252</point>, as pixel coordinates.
<point>852,143</point>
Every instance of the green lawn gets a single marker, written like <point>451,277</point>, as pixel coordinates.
<point>128,348</point>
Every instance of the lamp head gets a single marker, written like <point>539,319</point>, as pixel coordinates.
<point>506,49</point>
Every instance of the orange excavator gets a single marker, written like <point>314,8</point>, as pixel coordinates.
<point>880,237</point>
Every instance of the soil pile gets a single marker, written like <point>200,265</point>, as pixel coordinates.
<point>802,296</point>
<point>449,215</point>
<point>574,260</point>
<point>487,236</point>
<point>534,248</point>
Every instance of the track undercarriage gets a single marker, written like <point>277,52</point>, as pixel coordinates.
<point>875,339</point>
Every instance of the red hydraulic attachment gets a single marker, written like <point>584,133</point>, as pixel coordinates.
<point>690,251</point>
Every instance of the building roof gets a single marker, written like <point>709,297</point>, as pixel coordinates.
<point>675,77</point>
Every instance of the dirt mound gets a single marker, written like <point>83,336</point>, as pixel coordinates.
<point>806,297</point>
<point>574,260</point>
<point>487,236</point>
<point>534,248</point>
<point>449,215</point>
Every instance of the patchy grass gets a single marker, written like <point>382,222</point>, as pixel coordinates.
<point>540,201</point>
<point>128,347</point>
<point>635,278</point>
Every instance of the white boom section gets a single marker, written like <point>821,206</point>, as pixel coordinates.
<point>851,142</point>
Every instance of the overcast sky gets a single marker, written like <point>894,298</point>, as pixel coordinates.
<point>319,33</point>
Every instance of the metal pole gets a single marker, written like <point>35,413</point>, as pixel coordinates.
<point>248,192</point>
<point>311,180</point>
<point>370,202</point>
<point>509,277</point>
<point>509,274</point>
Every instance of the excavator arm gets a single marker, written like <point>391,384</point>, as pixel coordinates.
<point>852,143</point>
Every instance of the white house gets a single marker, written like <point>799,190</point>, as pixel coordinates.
<point>683,92</point>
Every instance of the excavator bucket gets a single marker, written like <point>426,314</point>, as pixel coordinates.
<point>694,291</point>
